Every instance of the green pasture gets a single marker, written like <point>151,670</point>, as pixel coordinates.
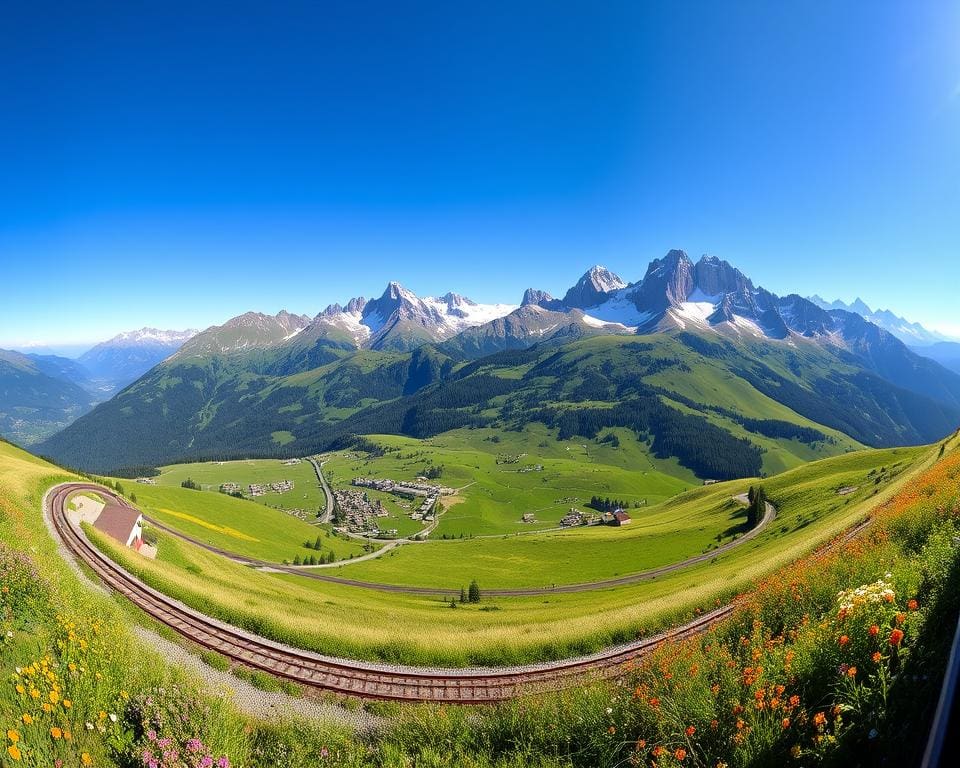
<point>371,624</point>
<point>237,525</point>
<point>306,494</point>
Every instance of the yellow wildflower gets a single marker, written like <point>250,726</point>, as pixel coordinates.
<point>54,697</point>
<point>86,759</point>
<point>27,718</point>
<point>13,735</point>
<point>34,693</point>
<point>13,752</point>
<point>67,703</point>
<point>56,732</point>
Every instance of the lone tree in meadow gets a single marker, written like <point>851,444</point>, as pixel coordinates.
<point>474,593</point>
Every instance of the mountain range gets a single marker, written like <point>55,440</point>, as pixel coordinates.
<point>690,348</point>
<point>42,393</point>
<point>910,333</point>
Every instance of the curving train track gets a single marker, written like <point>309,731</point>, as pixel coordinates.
<point>345,676</point>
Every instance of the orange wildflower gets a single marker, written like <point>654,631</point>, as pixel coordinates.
<point>785,723</point>
<point>843,640</point>
<point>690,731</point>
<point>874,630</point>
<point>852,672</point>
<point>877,657</point>
<point>912,605</point>
<point>900,618</point>
<point>896,637</point>
<point>819,719</point>
<point>680,754</point>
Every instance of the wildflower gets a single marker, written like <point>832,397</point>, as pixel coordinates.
<point>877,657</point>
<point>56,733</point>
<point>690,731</point>
<point>612,730</point>
<point>27,718</point>
<point>54,697</point>
<point>14,752</point>
<point>641,744</point>
<point>795,751</point>
<point>794,701</point>
<point>785,723</point>
<point>67,703</point>
<point>13,735</point>
<point>113,717</point>
<point>819,719</point>
<point>844,640</point>
<point>874,630</point>
<point>86,759</point>
<point>680,754</point>
<point>895,637</point>
<point>714,724</point>
<point>912,605</point>
<point>852,672</point>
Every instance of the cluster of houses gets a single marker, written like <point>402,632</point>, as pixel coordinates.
<point>291,462</point>
<point>576,517</point>
<point>258,489</point>
<point>360,513</point>
<point>146,480</point>
<point>419,487</point>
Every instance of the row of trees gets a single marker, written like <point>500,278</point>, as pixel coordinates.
<point>329,557</point>
<point>470,594</point>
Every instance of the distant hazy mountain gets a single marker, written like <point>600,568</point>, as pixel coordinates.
<point>288,384</point>
<point>947,353</point>
<point>909,333</point>
<point>37,397</point>
<point>114,363</point>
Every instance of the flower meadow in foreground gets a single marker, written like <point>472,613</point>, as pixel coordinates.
<point>806,667</point>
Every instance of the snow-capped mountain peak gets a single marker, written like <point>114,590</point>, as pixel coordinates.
<point>152,336</point>
<point>593,288</point>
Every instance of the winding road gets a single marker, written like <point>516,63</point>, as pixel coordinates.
<point>328,509</point>
<point>345,676</point>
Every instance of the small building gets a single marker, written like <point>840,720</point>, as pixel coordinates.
<point>620,517</point>
<point>122,523</point>
<point>528,517</point>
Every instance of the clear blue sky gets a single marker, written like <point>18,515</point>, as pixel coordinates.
<point>174,164</point>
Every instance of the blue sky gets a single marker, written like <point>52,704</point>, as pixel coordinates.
<point>173,165</point>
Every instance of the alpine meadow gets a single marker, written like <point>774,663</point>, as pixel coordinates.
<point>325,440</point>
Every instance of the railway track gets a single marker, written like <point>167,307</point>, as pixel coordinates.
<point>354,678</point>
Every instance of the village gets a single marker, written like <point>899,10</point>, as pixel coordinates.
<point>359,514</point>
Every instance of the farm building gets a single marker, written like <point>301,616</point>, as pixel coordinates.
<point>617,518</point>
<point>122,523</point>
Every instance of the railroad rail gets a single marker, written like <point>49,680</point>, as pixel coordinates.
<point>345,676</point>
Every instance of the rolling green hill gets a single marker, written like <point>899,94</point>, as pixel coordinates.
<point>723,407</point>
